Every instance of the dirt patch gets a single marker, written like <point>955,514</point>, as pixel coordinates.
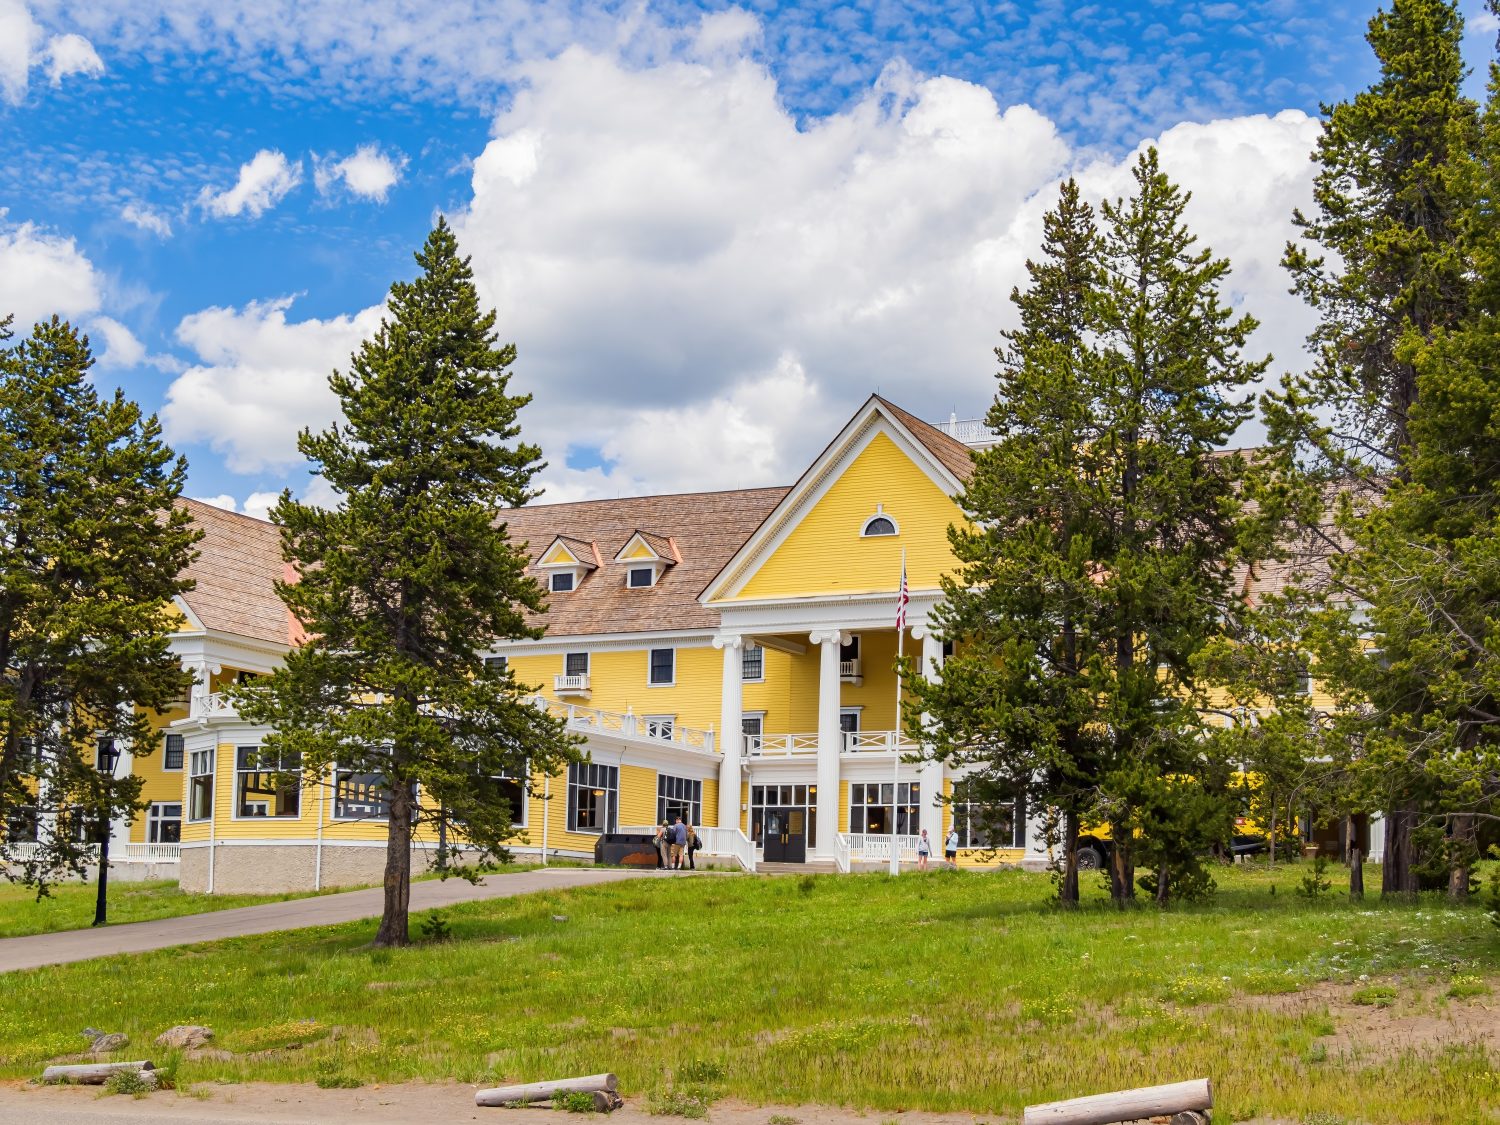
<point>267,1104</point>
<point>1420,1018</point>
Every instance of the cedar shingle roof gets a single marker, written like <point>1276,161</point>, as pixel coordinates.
<point>955,456</point>
<point>239,559</point>
<point>705,527</point>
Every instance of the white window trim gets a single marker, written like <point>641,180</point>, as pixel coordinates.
<point>333,816</point>
<point>551,582</point>
<point>744,679</point>
<point>650,683</point>
<point>879,514</point>
<point>154,818</point>
<point>587,663</point>
<point>211,757</point>
<point>234,794</point>
<point>173,769</point>
<point>669,720</point>
<point>612,806</point>
<point>654,569</point>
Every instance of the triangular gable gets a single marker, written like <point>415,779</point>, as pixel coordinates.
<point>643,546</point>
<point>812,545</point>
<point>566,552</point>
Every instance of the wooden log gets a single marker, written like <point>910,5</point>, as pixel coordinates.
<point>1124,1105</point>
<point>529,1092</point>
<point>96,1074</point>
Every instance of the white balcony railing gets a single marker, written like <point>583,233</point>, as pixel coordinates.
<point>626,725</point>
<point>781,745</point>
<point>216,705</point>
<point>970,431</point>
<point>571,685</point>
<point>850,669</point>
<point>878,742</point>
<point>850,742</point>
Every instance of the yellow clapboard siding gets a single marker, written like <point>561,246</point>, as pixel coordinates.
<point>637,795</point>
<point>159,785</point>
<point>825,553</point>
<point>710,817</point>
<point>843,806</point>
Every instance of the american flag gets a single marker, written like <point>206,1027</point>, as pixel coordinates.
<point>902,598</point>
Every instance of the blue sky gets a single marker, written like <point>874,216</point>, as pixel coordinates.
<point>710,229</point>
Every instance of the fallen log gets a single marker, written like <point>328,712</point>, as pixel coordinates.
<point>529,1092</point>
<point>96,1074</point>
<point>1193,1096</point>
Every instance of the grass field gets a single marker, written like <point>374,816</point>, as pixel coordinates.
<point>952,991</point>
<point>70,906</point>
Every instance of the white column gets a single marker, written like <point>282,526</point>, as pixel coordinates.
<point>830,738</point>
<point>731,729</point>
<point>119,830</point>
<point>930,773</point>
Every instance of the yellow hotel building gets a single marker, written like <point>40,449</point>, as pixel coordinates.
<point>727,656</point>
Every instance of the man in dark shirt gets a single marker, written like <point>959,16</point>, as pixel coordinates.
<point>679,843</point>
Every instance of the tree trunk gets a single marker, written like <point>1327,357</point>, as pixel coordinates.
<point>1163,883</point>
<point>1121,870</point>
<point>1067,893</point>
<point>1464,851</point>
<point>1398,876</point>
<point>1273,833</point>
<point>1356,873</point>
<point>393,921</point>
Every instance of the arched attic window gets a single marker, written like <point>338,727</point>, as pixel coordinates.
<point>879,524</point>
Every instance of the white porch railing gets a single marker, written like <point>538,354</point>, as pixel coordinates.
<point>628,725</point>
<point>878,741</point>
<point>214,706</point>
<point>729,842</point>
<point>841,852</point>
<point>579,683</point>
<point>970,431</point>
<point>865,847</point>
<point>126,853</point>
<point>851,742</point>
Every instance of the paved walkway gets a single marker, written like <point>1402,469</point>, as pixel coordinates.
<point>137,937</point>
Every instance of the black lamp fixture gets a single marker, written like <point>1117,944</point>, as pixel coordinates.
<point>106,758</point>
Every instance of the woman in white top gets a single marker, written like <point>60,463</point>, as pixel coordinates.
<point>924,849</point>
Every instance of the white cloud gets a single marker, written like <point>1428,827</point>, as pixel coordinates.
<point>147,220</point>
<point>263,182</point>
<point>72,54</point>
<point>223,500</point>
<point>368,172</point>
<point>42,274</point>
<point>259,504</point>
<point>19,38</point>
<point>665,244</point>
<point>259,379</point>
<point>121,348</point>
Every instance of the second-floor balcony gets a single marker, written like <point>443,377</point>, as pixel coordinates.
<point>851,671</point>
<point>575,684</point>
<point>585,720</point>
<point>850,742</point>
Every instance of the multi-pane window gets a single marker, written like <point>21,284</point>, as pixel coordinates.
<point>754,666</point>
<point>164,823</point>
<point>663,666</point>
<point>360,796</point>
<point>267,784</point>
<point>593,797</point>
<point>880,525</point>
<point>788,798</point>
<point>495,665</point>
<point>201,785</point>
<point>21,825</point>
<point>988,824</point>
<point>753,727</point>
<point>562,581</point>
<point>1302,678</point>
<point>659,726</point>
<point>104,751</point>
<point>870,807</point>
<point>171,752</point>
<point>576,664</point>
<point>641,576</point>
<point>678,796</point>
<point>848,725</point>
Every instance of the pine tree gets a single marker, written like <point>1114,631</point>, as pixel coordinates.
<point>92,551</point>
<point>1393,199</point>
<point>1104,530</point>
<point>404,585</point>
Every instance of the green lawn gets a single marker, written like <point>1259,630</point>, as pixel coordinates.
<point>952,991</point>
<point>70,906</point>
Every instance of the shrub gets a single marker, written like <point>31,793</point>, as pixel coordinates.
<point>128,1082</point>
<point>573,1101</point>
<point>434,926</point>
<point>1461,988</point>
<point>1314,883</point>
<point>1375,996</point>
<point>682,1101</point>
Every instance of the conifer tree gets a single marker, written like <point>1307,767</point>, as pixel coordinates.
<point>1394,196</point>
<point>405,584</point>
<point>92,551</point>
<point>1104,529</point>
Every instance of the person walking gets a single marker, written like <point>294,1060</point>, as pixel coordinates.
<point>694,844</point>
<point>950,847</point>
<point>661,841</point>
<point>924,850</point>
<point>679,843</point>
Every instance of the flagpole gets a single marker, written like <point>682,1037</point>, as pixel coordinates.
<point>896,736</point>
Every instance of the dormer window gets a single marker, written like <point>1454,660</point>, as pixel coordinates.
<point>641,577</point>
<point>562,581</point>
<point>646,557</point>
<point>879,524</point>
<point>566,562</point>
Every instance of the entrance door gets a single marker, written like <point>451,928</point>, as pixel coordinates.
<point>786,836</point>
